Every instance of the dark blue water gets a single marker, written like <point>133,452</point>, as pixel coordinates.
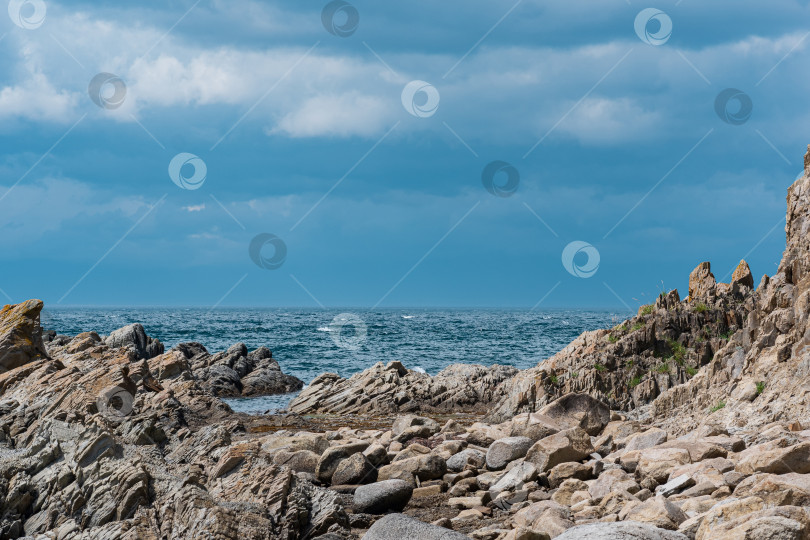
<point>307,342</point>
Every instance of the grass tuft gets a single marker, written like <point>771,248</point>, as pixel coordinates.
<point>719,406</point>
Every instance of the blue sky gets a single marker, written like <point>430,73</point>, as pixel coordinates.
<point>304,136</point>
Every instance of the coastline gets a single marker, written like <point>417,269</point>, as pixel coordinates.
<point>686,421</point>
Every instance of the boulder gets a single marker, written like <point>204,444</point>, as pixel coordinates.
<point>468,458</point>
<point>355,469</point>
<point>675,485</point>
<point>516,477</point>
<point>381,497</point>
<point>570,492</point>
<point>657,462</point>
<point>535,426</point>
<point>781,523</point>
<point>401,527</point>
<point>502,451</point>
<point>547,516</point>
<point>791,459</point>
<point>777,489</point>
<point>626,530</point>
<point>404,423</point>
<point>578,410</point>
<point>658,511</point>
<point>299,461</point>
<point>331,458</point>
<point>426,467</point>
<point>725,512</point>
<point>611,481</point>
<point>646,439</point>
<point>564,471</point>
<point>568,445</point>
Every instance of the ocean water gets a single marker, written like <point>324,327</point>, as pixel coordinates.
<point>307,342</point>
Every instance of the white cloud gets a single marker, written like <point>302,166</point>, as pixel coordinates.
<point>610,121</point>
<point>339,115</point>
<point>35,98</point>
<point>512,93</point>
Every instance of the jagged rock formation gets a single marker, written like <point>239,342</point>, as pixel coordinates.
<point>101,443</point>
<point>631,364</point>
<point>237,372</point>
<point>20,335</point>
<point>627,366</point>
<point>763,374</point>
<point>393,388</point>
<point>133,336</point>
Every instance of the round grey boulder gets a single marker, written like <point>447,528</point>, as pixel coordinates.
<point>470,456</point>
<point>402,527</point>
<point>380,497</point>
<point>502,451</point>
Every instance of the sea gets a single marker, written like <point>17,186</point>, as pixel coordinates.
<point>308,342</point>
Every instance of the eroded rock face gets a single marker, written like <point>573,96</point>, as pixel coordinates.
<point>237,372</point>
<point>20,335</point>
<point>393,388</point>
<point>98,442</point>
<point>134,337</point>
<point>759,374</point>
<point>630,365</point>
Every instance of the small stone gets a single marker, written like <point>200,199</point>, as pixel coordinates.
<point>676,484</point>
<point>427,491</point>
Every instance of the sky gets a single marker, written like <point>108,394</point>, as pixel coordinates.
<point>380,154</point>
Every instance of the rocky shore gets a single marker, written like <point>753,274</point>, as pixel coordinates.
<point>690,420</point>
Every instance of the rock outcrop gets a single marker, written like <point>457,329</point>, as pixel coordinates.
<point>761,375</point>
<point>237,372</point>
<point>392,388</point>
<point>628,366</point>
<point>100,442</point>
<point>133,336</point>
<point>20,335</point>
